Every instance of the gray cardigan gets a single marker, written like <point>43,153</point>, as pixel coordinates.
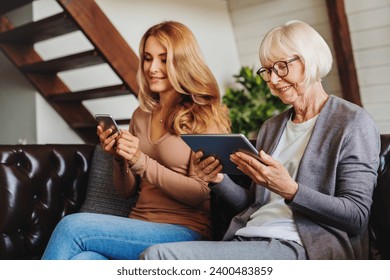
<point>336,178</point>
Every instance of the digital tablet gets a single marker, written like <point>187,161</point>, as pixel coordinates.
<point>221,146</point>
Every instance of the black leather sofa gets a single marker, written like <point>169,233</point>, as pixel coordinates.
<point>39,184</point>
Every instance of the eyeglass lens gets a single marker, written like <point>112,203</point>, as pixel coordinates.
<point>280,68</point>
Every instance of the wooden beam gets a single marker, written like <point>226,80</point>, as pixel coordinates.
<point>41,30</point>
<point>105,37</point>
<point>344,53</point>
<point>70,62</point>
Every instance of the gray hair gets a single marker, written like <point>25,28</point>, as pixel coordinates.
<point>296,38</point>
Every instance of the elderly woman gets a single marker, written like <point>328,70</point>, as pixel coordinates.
<point>312,190</point>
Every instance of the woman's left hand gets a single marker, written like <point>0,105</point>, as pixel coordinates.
<point>267,172</point>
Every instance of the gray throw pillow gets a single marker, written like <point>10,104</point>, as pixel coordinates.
<point>101,194</point>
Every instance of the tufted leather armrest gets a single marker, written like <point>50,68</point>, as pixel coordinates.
<point>39,184</point>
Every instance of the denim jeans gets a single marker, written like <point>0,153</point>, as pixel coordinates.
<point>91,236</point>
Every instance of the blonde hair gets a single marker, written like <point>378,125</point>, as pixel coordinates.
<point>296,38</point>
<point>198,104</point>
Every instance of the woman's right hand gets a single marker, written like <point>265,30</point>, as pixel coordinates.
<point>208,169</point>
<point>106,141</point>
<point>128,147</point>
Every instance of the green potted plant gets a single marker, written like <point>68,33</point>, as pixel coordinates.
<point>251,103</point>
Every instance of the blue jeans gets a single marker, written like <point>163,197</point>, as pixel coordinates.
<point>90,236</point>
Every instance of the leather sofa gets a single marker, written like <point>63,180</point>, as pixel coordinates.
<point>39,184</point>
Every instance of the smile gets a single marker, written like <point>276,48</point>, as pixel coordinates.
<point>284,89</point>
<point>156,79</point>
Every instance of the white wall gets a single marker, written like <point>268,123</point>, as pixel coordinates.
<point>209,20</point>
<point>369,24</point>
<point>253,18</point>
<point>17,110</point>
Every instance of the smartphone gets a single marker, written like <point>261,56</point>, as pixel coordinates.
<point>106,121</point>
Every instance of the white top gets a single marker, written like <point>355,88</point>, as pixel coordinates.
<point>274,219</point>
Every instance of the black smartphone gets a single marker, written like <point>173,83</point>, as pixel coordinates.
<point>106,121</point>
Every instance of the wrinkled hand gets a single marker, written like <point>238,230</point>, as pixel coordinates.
<point>267,172</point>
<point>107,142</point>
<point>208,169</point>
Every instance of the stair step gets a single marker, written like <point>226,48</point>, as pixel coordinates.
<point>37,31</point>
<point>75,61</point>
<point>102,33</point>
<point>91,93</point>
<point>93,125</point>
<point>85,125</point>
<point>88,134</point>
<point>123,121</point>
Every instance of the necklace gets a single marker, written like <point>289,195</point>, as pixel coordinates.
<point>161,120</point>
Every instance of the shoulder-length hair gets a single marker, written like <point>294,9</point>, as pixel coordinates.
<point>198,104</point>
<point>296,38</point>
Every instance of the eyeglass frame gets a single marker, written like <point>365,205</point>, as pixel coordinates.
<point>286,62</point>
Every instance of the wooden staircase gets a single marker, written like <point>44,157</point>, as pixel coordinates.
<point>109,47</point>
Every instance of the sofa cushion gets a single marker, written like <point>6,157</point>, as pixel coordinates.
<point>101,194</point>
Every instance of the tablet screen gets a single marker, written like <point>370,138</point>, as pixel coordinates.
<point>221,146</point>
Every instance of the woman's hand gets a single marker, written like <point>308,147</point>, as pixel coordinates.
<point>267,172</point>
<point>127,147</point>
<point>207,169</point>
<point>106,141</point>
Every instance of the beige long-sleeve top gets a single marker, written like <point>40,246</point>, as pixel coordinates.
<point>169,190</point>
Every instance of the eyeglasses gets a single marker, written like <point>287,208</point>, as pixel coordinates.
<point>280,68</point>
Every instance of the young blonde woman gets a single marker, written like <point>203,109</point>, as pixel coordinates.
<point>178,95</point>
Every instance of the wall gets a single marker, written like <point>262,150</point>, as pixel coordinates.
<point>253,18</point>
<point>213,28</point>
<point>369,24</point>
<point>209,20</point>
<point>37,122</point>
<point>17,126</point>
